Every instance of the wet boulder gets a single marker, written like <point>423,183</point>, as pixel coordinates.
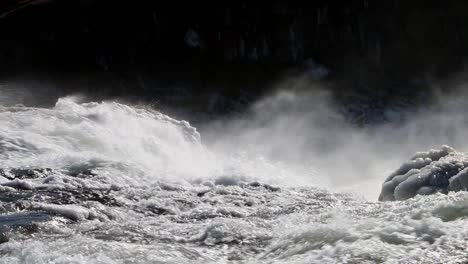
<point>436,171</point>
<point>3,238</point>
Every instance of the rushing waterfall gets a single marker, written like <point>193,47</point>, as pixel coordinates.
<point>111,183</point>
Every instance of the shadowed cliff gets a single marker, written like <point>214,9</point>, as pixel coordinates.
<point>236,49</point>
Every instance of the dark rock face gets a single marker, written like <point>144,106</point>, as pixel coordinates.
<point>218,58</point>
<point>364,42</point>
<point>442,170</point>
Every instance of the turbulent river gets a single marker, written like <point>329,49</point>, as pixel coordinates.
<point>111,183</point>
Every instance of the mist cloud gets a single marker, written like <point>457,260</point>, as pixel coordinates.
<point>301,126</point>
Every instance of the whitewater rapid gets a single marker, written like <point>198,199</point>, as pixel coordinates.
<point>112,183</point>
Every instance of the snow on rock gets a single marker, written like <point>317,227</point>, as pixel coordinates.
<point>440,170</point>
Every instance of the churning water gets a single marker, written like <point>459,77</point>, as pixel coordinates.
<point>111,183</point>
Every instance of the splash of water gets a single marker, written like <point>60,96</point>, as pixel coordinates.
<point>133,144</point>
<point>215,217</point>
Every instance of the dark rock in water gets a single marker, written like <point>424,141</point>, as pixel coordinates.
<point>3,238</point>
<point>266,186</point>
<point>460,181</point>
<point>202,193</point>
<point>25,173</point>
<point>442,170</point>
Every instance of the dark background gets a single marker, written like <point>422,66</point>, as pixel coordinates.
<point>221,56</point>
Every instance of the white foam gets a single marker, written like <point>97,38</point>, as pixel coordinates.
<point>73,212</point>
<point>133,144</point>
